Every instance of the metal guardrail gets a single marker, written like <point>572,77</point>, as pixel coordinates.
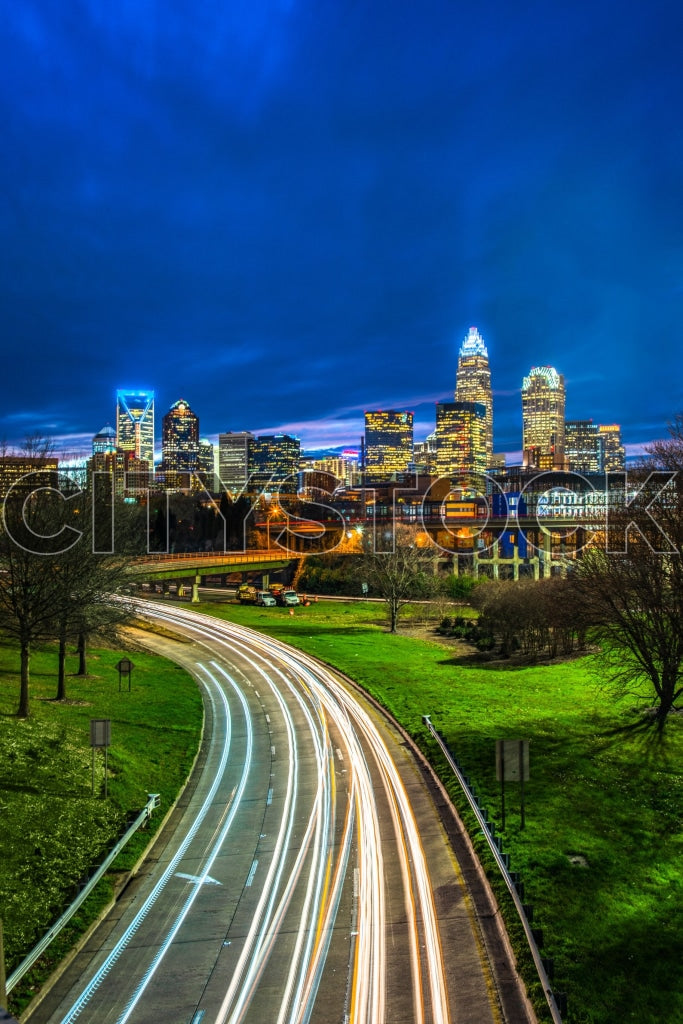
<point>203,556</point>
<point>503,868</point>
<point>56,928</point>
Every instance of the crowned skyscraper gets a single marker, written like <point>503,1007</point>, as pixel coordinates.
<point>543,399</point>
<point>473,382</point>
<point>180,439</point>
<point>135,423</point>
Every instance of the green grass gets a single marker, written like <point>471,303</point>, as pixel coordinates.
<point>53,828</point>
<point>614,928</point>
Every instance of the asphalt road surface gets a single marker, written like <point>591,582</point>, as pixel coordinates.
<point>305,874</point>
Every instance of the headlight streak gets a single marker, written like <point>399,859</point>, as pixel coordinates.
<point>325,684</point>
<point>106,967</point>
<point>435,967</point>
<point>321,901</point>
<point>258,946</point>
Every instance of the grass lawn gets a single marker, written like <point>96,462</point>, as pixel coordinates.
<point>53,828</point>
<point>613,927</point>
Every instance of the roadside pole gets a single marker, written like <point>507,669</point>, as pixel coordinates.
<point>3,976</point>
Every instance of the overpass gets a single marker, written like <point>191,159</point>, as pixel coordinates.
<point>195,564</point>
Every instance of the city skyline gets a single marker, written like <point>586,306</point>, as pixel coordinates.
<point>290,215</point>
<point>147,406</point>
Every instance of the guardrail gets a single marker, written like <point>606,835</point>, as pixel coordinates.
<point>37,951</point>
<point>199,556</point>
<point>501,861</point>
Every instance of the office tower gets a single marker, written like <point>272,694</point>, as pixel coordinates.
<point>613,454</point>
<point>583,446</point>
<point>180,441</point>
<point>135,424</point>
<point>17,473</point>
<point>388,443</point>
<point>460,439</point>
<point>473,380</point>
<point>543,399</point>
<point>104,442</point>
<point>234,456</point>
<point>206,463</point>
<point>274,463</point>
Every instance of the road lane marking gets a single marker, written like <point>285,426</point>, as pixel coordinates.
<point>198,879</point>
<point>252,872</point>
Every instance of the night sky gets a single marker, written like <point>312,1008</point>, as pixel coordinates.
<point>289,211</point>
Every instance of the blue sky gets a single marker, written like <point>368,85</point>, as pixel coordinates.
<point>289,211</point>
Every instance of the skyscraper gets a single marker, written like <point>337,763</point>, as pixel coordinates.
<point>613,454</point>
<point>274,463</point>
<point>135,423</point>
<point>180,440</point>
<point>104,441</point>
<point>473,381</point>
<point>206,463</point>
<point>460,439</point>
<point>543,400</point>
<point>583,446</point>
<point>388,443</point>
<point>234,457</point>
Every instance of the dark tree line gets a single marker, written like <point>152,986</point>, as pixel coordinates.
<point>532,618</point>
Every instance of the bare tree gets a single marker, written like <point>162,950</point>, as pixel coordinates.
<point>400,575</point>
<point>27,583</point>
<point>631,587</point>
<point>52,584</point>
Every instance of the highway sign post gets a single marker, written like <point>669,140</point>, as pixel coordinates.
<point>100,736</point>
<point>125,666</point>
<point>512,765</point>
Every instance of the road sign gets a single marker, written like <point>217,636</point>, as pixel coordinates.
<point>100,732</point>
<point>125,667</point>
<point>100,736</point>
<point>512,760</point>
<point>512,765</point>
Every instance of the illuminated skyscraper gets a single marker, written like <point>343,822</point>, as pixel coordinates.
<point>234,457</point>
<point>473,381</point>
<point>206,463</point>
<point>388,443</point>
<point>613,455</point>
<point>543,400</point>
<point>460,439</point>
<point>104,442</point>
<point>135,423</point>
<point>583,446</point>
<point>180,440</point>
<point>274,463</point>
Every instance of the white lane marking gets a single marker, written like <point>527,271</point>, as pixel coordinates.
<point>198,879</point>
<point>252,872</point>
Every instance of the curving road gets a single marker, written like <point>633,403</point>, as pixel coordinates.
<point>306,877</point>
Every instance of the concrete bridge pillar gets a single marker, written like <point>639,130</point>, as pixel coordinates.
<point>195,589</point>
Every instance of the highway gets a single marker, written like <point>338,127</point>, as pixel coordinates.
<point>304,876</point>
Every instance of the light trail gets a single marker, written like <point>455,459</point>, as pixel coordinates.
<point>368,994</point>
<point>298,887</point>
<point>118,949</point>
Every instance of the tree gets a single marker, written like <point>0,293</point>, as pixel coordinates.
<point>631,586</point>
<point>52,583</point>
<point>400,575</point>
<point>28,591</point>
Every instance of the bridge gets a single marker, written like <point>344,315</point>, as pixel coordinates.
<point>195,564</point>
